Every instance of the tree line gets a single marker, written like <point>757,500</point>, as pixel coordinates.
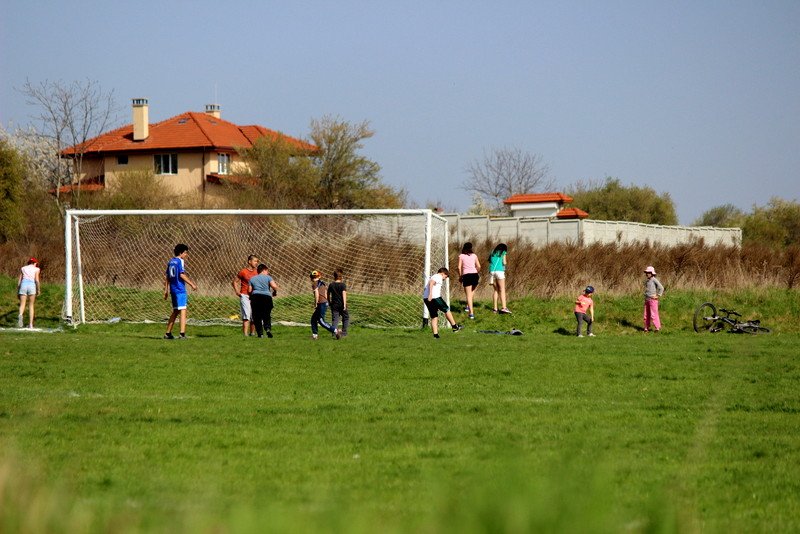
<point>335,175</point>
<point>504,172</point>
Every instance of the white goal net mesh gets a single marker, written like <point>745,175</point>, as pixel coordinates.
<point>117,262</point>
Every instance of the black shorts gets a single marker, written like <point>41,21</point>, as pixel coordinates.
<point>470,279</point>
<point>435,306</point>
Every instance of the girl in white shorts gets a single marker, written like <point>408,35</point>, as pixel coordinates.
<point>497,277</point>
<point>28,287</point>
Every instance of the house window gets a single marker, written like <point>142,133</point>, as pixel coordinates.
<point>166,163</point>
<point>122,160</point>
<point>224,161</point>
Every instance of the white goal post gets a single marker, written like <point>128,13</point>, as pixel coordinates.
<point>116,259</point>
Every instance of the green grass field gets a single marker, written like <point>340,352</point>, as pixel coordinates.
<point>109,428</point>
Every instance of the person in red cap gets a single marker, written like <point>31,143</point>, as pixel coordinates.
<point>28,287</point>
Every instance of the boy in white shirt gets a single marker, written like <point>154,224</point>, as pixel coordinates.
<point>432,296</point>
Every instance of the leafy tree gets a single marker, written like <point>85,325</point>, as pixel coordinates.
<point>504,172</point>
<point>284,176</point>
<point>334,176</point>
<point>724,216</point>
<point>12,175</point>
<point>612,201</point>
<point>776,224</point>
<point>347,179</point>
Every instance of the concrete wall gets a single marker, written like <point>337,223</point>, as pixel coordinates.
<point>544,231</point>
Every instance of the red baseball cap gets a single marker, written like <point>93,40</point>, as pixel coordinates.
<point>33,260</point>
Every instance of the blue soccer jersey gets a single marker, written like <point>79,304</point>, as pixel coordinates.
<point>174,271</point>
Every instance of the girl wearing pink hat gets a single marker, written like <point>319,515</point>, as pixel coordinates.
<point>653,289</point>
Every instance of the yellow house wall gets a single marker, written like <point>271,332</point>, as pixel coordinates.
<point>191,174</point>
<point>89,168</point>
<point>237,166</point>
<point>135,163</point>
<point>189,179</point>
<point>192,170</point>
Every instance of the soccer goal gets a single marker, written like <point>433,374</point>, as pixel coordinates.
<point>116,259</point>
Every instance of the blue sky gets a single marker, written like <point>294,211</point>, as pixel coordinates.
<point>700,99</point>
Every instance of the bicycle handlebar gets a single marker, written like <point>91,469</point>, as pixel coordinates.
<point>730,312</point>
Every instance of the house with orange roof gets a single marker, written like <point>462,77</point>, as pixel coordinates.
<point>186,152</point>
<point>543,205</point>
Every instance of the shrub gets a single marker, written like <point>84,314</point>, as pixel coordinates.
<point>12,174</point>
<point>612,201</point>
<point>562,269</point>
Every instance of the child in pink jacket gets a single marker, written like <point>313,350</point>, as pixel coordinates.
<point>583,305</point>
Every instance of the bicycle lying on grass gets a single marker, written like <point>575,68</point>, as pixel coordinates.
<point>707,320</point>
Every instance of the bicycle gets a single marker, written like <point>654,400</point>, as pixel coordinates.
<point>706,320</point>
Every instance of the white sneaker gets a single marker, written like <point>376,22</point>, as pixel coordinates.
<point>314,336</point>
<point>591,335</point>
<point>580,335</point>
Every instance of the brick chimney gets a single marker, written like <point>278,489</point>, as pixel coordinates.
<point>214,110</point>
<point>141,119</point>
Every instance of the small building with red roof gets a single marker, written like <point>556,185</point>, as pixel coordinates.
<point>543,205</point>
<point>186,151</point>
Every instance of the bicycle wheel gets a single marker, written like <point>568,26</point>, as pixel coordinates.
<point>705,317</point>
<point>753,329</point>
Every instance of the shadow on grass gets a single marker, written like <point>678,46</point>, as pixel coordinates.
<point>9,319</point>
<point>561,331</point>
<point>627,324</point>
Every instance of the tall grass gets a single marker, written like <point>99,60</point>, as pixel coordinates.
<point>551,271</point>
<point>565,268</point>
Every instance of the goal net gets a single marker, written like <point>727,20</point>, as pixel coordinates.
<point>116,260</point>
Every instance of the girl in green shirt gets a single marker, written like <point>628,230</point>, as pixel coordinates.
<point>497,277</point>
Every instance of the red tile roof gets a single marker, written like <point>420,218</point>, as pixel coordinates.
<point>87,188</point>
<point>532,198</point>
<point>190,130</point>
<point>571,213</point>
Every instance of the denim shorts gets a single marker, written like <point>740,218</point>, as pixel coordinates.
<point>27,287</point>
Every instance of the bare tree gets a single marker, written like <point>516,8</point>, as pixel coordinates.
<point>504,172</point>
<point>69,115</point>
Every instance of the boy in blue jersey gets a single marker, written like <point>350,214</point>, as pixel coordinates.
<point>175,281</point>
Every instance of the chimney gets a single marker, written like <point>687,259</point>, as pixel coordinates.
<point>141,119</point>
<point>214,110</point>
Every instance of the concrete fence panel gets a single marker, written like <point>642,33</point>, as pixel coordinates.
<point>539,231</point>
